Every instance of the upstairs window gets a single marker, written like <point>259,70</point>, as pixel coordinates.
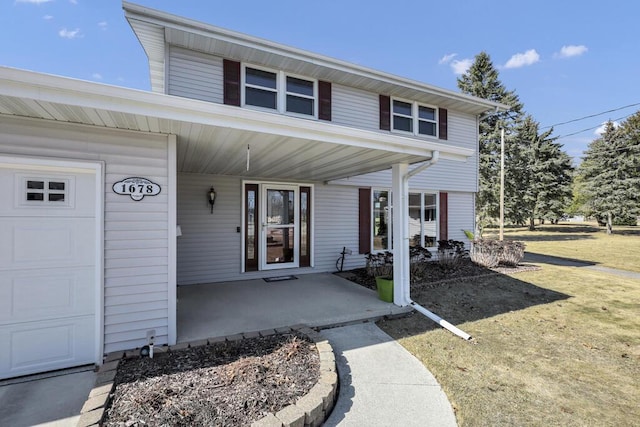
<point>427,124</point>
<point>261,88</point>
<point>300,96</point>
<point>402,116</point>
<point>414,118</point>
<point>275,90</point>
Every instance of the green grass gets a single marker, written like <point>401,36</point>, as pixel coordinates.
<point>584,242</point>
<point>557,346</point>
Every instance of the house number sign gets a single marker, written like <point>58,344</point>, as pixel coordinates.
<point>136,188</point>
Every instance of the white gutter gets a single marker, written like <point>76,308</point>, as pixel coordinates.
<point>407,297</point>
<point>435,156</point>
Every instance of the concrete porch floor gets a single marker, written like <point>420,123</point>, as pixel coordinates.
<point>317,300</point>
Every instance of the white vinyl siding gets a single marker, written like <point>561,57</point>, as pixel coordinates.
<point>445,175</point>
<point>151,37</point>
<point>209,249</point>
<point>355,108</point>
<point>461,215</point>
<point>195,75</point>
<point>136,233</point>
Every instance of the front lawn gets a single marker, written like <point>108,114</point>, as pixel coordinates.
<point>557,346</point>
<point>582,242</point>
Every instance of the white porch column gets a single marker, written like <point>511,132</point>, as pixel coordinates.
<point>400,215</point>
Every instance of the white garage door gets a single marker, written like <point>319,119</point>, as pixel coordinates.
<point>47,268</point>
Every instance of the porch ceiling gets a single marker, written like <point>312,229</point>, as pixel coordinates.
<point>213,138</point>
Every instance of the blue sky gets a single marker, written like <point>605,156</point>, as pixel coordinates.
<point>565,59</point>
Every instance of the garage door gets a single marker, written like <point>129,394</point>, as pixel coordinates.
<point>47,268</point>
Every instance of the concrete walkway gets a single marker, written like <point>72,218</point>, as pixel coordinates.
<point>51,400</point>
<point>382,384</point>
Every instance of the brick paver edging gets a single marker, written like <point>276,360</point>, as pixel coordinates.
<point>310,410</point>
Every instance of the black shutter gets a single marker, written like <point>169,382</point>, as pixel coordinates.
<point>324,100</point>
<point>444,216</point>
<point>442,123</point>
<point>385,112</point>
<point>364,220</point>
<point>231,85</point>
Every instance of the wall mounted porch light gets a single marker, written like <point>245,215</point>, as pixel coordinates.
<point>211,197</point>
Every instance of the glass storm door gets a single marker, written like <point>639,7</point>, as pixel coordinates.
<point>280,222</point>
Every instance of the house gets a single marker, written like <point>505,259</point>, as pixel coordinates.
<point>247,159</point>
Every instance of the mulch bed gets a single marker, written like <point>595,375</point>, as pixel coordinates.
<point>223,384</point>
<point>435,275</point>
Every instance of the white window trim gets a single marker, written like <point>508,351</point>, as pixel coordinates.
<point>281,91</point>
<point>415,116</point>
<point>422,192</point>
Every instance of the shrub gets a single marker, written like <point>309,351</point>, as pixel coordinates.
<point>485,253</point>
<point>512,253</point>
<point>381,264</point>
<point>490,253</point>
<point>450,254</point>
<point>418,261</point>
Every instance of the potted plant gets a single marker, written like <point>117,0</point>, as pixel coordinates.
<point>380,266</point>
<point>384,284</point>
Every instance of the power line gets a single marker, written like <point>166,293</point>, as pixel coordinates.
<point>591,116</point>
<point>591,128</point>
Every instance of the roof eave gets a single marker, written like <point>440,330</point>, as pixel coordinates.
<point>160,18</point>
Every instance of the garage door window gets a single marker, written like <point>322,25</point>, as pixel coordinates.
<point>49,191</point>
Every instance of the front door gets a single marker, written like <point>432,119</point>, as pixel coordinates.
<point>280,223</point>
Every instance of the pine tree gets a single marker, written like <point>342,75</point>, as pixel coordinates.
<point>553,179</point>
<point>540,176</point>
<point>610,173</point>
<point>482,80</point>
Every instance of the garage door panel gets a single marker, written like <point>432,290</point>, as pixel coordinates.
<point>48,289</point>
<point>41,346</point>
<point>50,242</point>
<point>46,294</point>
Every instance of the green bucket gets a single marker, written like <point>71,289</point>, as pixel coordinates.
<point>385,288</point>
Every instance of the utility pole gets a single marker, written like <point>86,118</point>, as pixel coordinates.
<point>501,183</point>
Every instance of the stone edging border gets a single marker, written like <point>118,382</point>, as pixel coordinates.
<point>310,410</point>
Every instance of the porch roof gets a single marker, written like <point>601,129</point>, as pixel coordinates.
<point>213,138</point>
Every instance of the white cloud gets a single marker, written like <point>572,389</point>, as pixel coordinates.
<point>603,126</point>
<point>518,60</point>
<point>103,25</point>
<point>97,76</point>
<point>69,34</point>
<point>447,58</point>
<point>461,66</point>
<point>47,17</point>
<point>33,1</point>
<point>571,50</point>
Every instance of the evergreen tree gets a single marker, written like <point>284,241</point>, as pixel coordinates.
<point>482,80</point>
<point>553,180</point>
<point>541,177</point>
<point>610,173</point>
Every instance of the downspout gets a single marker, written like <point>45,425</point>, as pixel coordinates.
<point>420,309</point>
